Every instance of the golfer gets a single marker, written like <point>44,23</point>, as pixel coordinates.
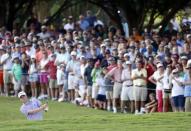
<point>32,108</point>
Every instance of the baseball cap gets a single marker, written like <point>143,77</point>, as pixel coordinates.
<point>159,65</point>
<point>22,93</point>
<point>184,57</point>
<point>73,53</point>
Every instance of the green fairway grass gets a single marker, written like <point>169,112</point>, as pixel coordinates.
<point>69,117</point>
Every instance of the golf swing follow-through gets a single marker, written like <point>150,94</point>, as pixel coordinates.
<point>32,109</point>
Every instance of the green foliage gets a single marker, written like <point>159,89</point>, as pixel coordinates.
<point>65,116</point>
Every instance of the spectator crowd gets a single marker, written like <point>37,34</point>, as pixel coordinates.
<point>90,64</point>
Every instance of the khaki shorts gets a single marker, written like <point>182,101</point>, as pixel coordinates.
<point>166,95</point>
<point>7,77</point>
<point>109,95</point>
<point>53,83</point>
<point>127,93</point>
<point>89,91</point>
<point>188,104</point>
<point>140,93</point>
<point>94,90</point>
<point>117,90</point>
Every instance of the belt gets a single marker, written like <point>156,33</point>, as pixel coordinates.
<point>128,85</point>
<point>119,82</point>
<point>8,70</point>
<point>140,85</point>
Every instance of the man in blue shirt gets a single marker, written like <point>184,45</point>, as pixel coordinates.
<point>32,109</point>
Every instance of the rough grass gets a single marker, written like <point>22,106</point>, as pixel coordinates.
<point>68,117</point>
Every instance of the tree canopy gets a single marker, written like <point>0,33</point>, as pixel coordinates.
<point>134,12</point>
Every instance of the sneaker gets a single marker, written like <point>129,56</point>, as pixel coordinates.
<point>136,112</point>
<point>114,110</point>
<point>108,108</point>
<point>61,99</point>
<point>125,112</point>
<point>142,111</point>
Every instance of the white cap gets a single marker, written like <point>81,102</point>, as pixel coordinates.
<point>103,45</point>
<point>73,53</point>
<point>128,63</point>
<point>22,93</point>
<point>184,57</point>
<point>126,54</point>
<point>43,27</point>
<point>159,65</point>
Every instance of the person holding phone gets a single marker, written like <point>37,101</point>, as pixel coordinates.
<point>32,109</point>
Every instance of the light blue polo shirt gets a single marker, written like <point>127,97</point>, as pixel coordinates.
<point>187,88</point>
<point>31,105</point>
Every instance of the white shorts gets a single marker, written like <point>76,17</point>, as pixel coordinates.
<point>127,93</point>
<point>109,95</point>
<point>94,90</point>
<point>17,85</point>
<point>81,91</point>
<point>71,82</point>
<point>117,90</point>
<point>140,93</point>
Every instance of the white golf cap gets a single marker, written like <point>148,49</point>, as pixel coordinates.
<point>103,45</point>
<point>73,53</point>
<point>22,93</point>
<point>126,54</point>
<point>159,65</point>
<point>184,57</point>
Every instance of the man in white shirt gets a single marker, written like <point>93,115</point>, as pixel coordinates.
<point>6,61</point>
<point>44,34</point>
<point>127,87</point>
<point>71,69</point>
<point>69,25</point>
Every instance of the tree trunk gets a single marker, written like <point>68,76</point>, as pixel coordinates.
<point>11,15</point>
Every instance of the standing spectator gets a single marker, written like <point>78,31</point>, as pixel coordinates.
<point>70,24</point>
<point>44,34</point>
<point>43,75</point>
<point>1,71</point>
<point>17,75</point>
<point>95,75</point>
<point>139,76</point>
<point>70,68</point>
<point>177,91</point>
<point>127,89</point>
<point>52,69</point>
<point>101,97</point>
<point>88,80</point>
<point>25,68</point>
<point>115,75</point>
<point>7,66</point>
<point>156,78</point>
<point>167,87</point>
<point>83,23</point>
<point>187,89</point>
<point>33,76</point>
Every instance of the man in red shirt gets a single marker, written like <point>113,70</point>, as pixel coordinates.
<point>52,69</point>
